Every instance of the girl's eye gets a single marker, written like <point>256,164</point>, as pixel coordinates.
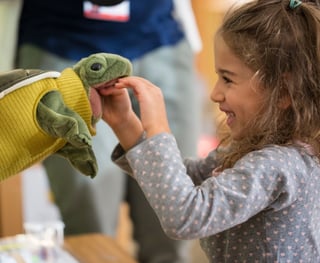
<point>226,80</point>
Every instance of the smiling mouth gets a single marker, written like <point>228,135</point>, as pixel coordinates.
<point>230,117</point>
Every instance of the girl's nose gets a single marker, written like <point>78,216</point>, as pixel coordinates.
<point>217,94</point>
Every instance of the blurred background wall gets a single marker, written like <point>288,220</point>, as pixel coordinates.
<point>9,12</point>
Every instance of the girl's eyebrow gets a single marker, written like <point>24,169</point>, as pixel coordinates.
<point>224,71</point>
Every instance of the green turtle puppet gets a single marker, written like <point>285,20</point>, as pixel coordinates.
<point>47,112</point>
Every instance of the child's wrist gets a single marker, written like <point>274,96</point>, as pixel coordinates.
<point>129,133</point>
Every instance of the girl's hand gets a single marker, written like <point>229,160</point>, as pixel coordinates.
<point>116,106</point>
<point>151,102</point>
<point>118,113</point>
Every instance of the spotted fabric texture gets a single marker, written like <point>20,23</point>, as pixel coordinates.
<point>264,209</point>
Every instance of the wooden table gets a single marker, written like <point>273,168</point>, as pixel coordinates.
<point>96,248</point>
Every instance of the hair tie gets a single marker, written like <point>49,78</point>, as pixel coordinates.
<point>294,3</point>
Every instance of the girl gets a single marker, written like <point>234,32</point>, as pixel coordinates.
<point>255,198</point>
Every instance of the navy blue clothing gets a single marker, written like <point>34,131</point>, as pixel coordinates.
<point>60,28</point>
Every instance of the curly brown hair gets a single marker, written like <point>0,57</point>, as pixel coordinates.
<point>282,45</point>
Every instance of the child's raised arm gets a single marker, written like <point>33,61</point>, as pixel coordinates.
<point>151,102</point>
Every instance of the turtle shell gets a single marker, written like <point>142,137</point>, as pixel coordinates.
<point>11,80</point>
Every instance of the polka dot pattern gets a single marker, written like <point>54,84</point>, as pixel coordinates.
<point>265,209</point>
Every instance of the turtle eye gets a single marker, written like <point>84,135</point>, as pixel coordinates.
<point>96,66</point>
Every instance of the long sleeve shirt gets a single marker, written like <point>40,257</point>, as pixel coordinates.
<point>264,209</point>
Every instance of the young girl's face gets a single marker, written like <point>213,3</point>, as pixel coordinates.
<point>237,90</point>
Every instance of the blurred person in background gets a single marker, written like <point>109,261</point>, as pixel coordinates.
<point>55,35</point>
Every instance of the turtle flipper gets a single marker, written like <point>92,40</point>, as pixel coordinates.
<point>83,159</point>
<point>55,118</point>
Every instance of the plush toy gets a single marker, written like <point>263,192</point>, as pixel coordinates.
<point>46,112</point>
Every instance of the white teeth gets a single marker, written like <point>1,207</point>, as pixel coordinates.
<point>230,114</point>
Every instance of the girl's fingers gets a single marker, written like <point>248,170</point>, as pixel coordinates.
<point>110,91</point>
<point>135,83</point>
<point>141,87</point>
<point>132,80</point>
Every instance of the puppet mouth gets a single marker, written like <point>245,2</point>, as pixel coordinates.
<point>105,85</point>
<point>96,105</point>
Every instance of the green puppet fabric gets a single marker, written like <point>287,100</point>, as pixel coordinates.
<point>47,112</point>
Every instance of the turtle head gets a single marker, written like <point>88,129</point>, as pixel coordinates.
<point>99,71</point>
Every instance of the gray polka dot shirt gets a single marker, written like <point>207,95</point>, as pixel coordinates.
<point>264,209</point>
